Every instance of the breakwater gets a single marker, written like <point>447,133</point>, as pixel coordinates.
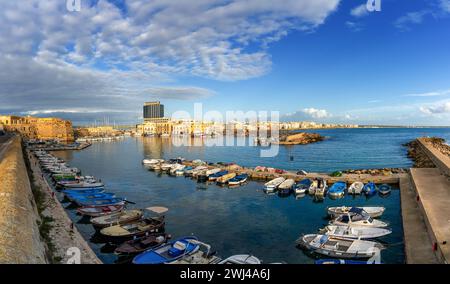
<point>20,240</point>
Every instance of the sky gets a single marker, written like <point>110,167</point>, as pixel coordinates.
<point>316,60</point>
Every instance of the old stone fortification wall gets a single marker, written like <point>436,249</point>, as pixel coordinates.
<point>20,240</point>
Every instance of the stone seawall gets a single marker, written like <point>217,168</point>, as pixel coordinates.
<point>20,241</point>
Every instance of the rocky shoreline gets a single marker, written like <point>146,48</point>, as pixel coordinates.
<point>377,172</point>
<point>301,139</point>
<point>418,156</point>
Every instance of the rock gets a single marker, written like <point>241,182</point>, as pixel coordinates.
<point>301,138</point>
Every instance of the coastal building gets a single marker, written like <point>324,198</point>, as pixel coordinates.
<point>98,131</point>
<point>153,110</point>
<point>38,128</point>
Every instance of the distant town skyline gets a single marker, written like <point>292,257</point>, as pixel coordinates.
<point>327,61</point>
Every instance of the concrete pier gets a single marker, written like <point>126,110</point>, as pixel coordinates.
<point>426,209</point>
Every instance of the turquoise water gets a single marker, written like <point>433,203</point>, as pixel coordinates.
<point>245,219</point>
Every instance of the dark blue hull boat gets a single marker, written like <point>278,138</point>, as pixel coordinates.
<point>370,189</point>
<point>100,202</point>
<point>168,252</point>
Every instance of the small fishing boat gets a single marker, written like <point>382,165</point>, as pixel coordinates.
<point>225,178</point>
<point>355,232</point>
<point>373,211</point>
<point>384,189</point>
<point>87,196</point>
<point>119,218</point>
<point>202,256</point>
<point>85,191</point>
<point>137,228</point>
<point>238,180</point>
<point>285,187</point>
<point>302,186</point>
<point>357,217</point>
<point>175,168</point>
<point>198,170</point>
<point>337,190</point>
<point>319,190</point>
<point>141,227</point>
<point>99,210</point>
<point>217,175</point>
<point>339,248</point>
<point>166,167</point>
<point>180,172</point>
<point>340,261</point>
<point>272,185</point>
<point>241,259</point>
<point>168,252</point>
<point>84,185</point>
<point>152,161</point>
<point>356,187</point>
<point>141,244</point>
<point>212,171</point>
<point>370,189</point>
<point>99,202</point>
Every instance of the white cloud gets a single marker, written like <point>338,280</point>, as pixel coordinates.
<point>445,5</point>
<point>354,26</point>
<point>103,56</point>
<point>359,11</point>
<point>429,94</point>
<point>316,113</point>
<point>404,22</point>
<point>436,108</point>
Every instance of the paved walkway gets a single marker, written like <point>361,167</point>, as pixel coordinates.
<point>433,189</point>
<point>418,245</point>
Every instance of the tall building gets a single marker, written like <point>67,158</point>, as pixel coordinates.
<point>153,110</point>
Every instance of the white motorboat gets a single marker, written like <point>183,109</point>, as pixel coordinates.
<point>241,259</point>
<point>361,219</point>
<point>355,232</point>
<point>272,185</point>
<point>212,171</point>
<point>166,166</point>
<point>175,168</point>
<point>373,211</point>
<point>318,188</point>
<point>356,187</point>
<point>339,247</point>
<point>152,161</point>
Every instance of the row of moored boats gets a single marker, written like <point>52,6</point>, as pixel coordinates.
<point>137,234</point>
<point>199,171</point>
<point>319,188</point>
<point>349,237</point>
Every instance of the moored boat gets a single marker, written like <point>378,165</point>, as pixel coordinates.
<point>373,211</point>
<point>86,190</point>
<point>241,259</point>
<point>320,189</point>
<point>355,232</point>
<point>302,186</point>
<point>100,202</point>
<point>272,185</point>
<point>238,180</point>
<point>84,185</point>
<point>357,217</point>
<point>340,261</point>
<point>339,247</point>
<point>95,211</point>
<point>384,189</point>
<point>217,175</point>
<point>137,228</point>
<point>168,252</point>
<point>285,187</point>
<point>119,218</point>
<point>141,244</point>
<point>337,190</point>
<point>370,189</point>
<point>356,187</point>
<point>225,178</point>
<point>202,256</point>
<point>87,196</point>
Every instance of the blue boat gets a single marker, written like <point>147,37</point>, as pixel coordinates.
<point>302,186</point>
<point>168,252</point>
<point>370,189</point>
<point>100,201</point>
<point>340,261</point>
<point>337,189</point>
<point>87,196</point>
<point>239,179</point>
<point>384,189</point>
<point>84,191</point>
<point>217,175</point>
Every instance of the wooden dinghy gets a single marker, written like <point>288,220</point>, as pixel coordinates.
<point>142,244</point>
<point>120,218</point>
<point>137,228</point>
<point>95,211</point>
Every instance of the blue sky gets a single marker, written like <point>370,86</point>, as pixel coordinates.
<point>320,60</point>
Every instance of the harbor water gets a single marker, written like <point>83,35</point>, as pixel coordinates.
<point>245,220</point>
